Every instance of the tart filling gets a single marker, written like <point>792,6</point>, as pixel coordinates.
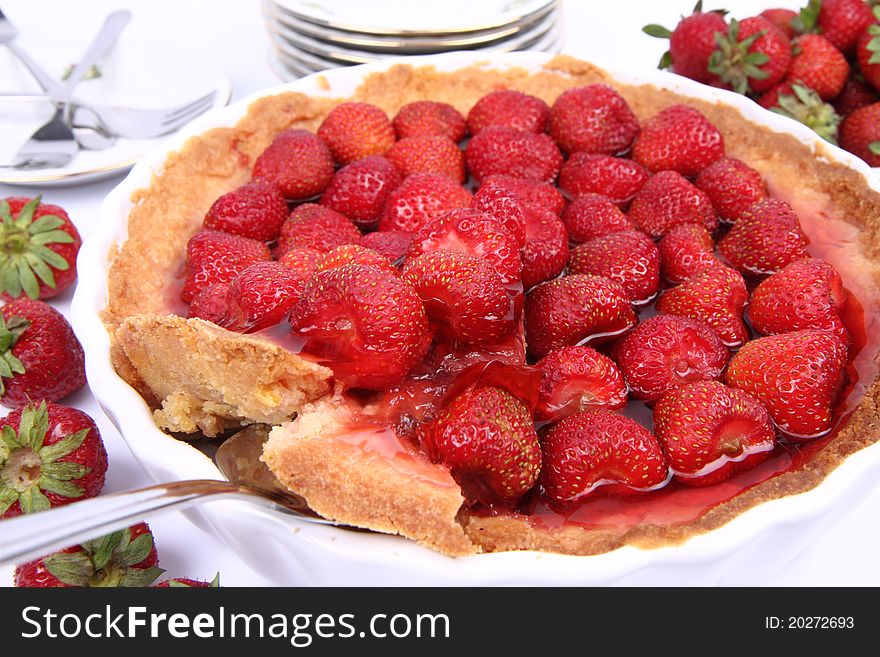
<point>383,453</point>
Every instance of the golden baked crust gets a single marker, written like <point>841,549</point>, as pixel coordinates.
<point>370,489</point>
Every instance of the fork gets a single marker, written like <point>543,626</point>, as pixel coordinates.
<point>129,122</point>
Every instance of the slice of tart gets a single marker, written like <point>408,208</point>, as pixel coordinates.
<point>441,361</point>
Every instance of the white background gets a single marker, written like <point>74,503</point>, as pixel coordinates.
<point>231,33</point>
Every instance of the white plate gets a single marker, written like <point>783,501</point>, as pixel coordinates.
<point>164,77</point>
<point>750,548</point>
<point>397,17</point>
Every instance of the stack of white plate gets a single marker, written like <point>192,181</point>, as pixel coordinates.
<point>313,35</point>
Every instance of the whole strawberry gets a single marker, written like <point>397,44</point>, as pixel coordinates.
<point>354,131</point>
<point>710,431</point>
<point>781,18</point>
<point>312,226</point>
<point>124,558</point>
<point>617,178</point>
<point>487,439</point>
<point>578,378</point>
<point>592,215</point>
<point>359,190</point>
<point>511,109</point>
<point>38,247</point>
<point>421,198</point>
<point>839,21</point>
<point>765,238</point>
<point>716,296</point>
<point>753,56</point>
<point>384,327</point>
<point>40,357</point>
<point>732,186</point>
<point>691,44</point>
<point>255,210</point>
<point>665,352</point>
<point>593,119</point>
<point>855,95</point>
<point>806,294</point>
<point>599,450</point>
<point>818,65</point>
<point>50,455</point>
<point>680,139</point>
<point>575,310</point>
<point>860,134</point>
<point>668,200</point>
<point>868,52</point>
<point>428,154</point>
<point>796,376</point>
<point>532,193</point>
<point>462,294</point>
<point>685,251</point>
<point>216,257</point>
<point>297,163</point>
<point>429,117</point>
<point>498,149</point>
<point>628,257</point>
<point>546,251</point>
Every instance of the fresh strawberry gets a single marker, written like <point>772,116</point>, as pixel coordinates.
<point>532,193</point>
<point>393,244</point>
<point>806,294</point>
<point>732,186</point>
<point>593,119</point>
<point>254,210</point>
<point>188,583</point>
<point>685,250</point>
<point>428,117</point>
<point>40,357</point>
<point>260,296</point>
<point>600,450</point>
<point>298,163</point>
<point>462,294</point>
<point>796,376</point>
<point>513,152</point>
<point>303,261</point>
<point>710,432</point>
<point>428,154</point>
<point>765,238</point>
<point>125,558</point>
<point>691,44</point>
<point>840,21</point>
<point>50,455</point>
<point>312,226</point>
<point>716,296</point>
<point>592,215</point>
<point>38,247</point>
<point>575,310</point>
<point>359,190</point>
<point>782,19</point>
<point>421,198</point>
<point>511,109</point>
<point>216,257</point>
<point>665,352</point>
<point>617,178</point>
<point>506,208</point>
<point>576,379</point>
<point>628,257</point>
<point>354,131</point>
<point>668,200</point>
<point>818,65</point>
<point>753,55</point>
<point>855,95</point>
<point>546,251</point>
<point>487,439</point>
<point>355,254</point>
<point>868,52</point>
<point>678,139</point>
<point>475,233</point>
<point>802,104</point>
<point>860,134</point>
<point>368,325</point>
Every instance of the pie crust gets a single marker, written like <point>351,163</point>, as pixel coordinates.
<point>201,379</point>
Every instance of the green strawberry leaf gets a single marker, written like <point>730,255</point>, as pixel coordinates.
<point>71,568</point>
<point>45,223</point>
<point>8,497</point>
<point>60,487</point>
<point>874,147</point>
<point>32,500</point>
<point>139,577</point>
<point>103,548</point>
<point>657,31</point>
<point>136,551</point>
<point>64,447</point>
<point>665,61</point>
<point>808,18</point>
<point>64,471</point>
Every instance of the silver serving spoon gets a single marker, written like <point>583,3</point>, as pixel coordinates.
<point>34,535</point>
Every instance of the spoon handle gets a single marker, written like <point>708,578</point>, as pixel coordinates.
<point>35,535</point>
